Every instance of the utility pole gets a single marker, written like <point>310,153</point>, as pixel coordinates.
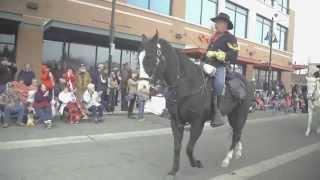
<point>270,56</point>
<point>111,39</point>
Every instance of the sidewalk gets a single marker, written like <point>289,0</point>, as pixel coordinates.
<point>116,123</point>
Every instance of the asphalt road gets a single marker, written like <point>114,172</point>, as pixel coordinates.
<point>149,156</point>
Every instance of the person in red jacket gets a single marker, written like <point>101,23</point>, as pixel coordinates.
<point>42,106</point>
<point>70,79</point>
<point>47,77</point>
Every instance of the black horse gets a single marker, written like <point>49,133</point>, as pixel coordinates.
<point>189,99</point>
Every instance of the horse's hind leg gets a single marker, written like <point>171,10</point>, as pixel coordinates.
<point>195,132</point>
<point>308,130</point>
<point>236,121</point>
<point>318,122</point>
<point>178,136</point>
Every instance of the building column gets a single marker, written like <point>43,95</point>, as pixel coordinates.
<point>249,72</point>
<point>177,10</point>
<point>286,80</point>
<point>29,47</point>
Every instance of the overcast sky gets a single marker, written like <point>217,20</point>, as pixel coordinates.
<point>307,31</point>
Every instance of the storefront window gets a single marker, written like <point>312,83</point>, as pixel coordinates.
<point>82,54</point>
<point>52,51</point>
<point>76,54</point>
<point>102,55</point>
<point>7,46</point>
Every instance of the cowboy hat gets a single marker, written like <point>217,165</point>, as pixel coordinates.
<point>100,66</point>
<point>82,68</point>
<point>223,17</point>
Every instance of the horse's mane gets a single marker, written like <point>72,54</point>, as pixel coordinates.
<point>188,69</point>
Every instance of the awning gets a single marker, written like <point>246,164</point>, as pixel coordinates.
<point>9,22</point>
<point>63,31</point>
<point>265,65</point>
<point>298,67</point>
<point>198,53</point>
<point>11,16</point>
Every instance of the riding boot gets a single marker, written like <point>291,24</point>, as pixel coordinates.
<point>216,121</point>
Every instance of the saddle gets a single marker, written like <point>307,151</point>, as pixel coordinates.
<point>237,85</point>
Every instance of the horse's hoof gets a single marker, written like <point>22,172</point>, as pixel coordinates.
<point>172,173</point>
<point>225,164</point>
<point>238,155</point>
<point>170,177</point>
<point>307,133</point>
<point>197,164</point>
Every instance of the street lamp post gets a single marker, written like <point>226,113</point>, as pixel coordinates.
<point>270,55</point>
<point>272,39</point>
<point>111,43</point>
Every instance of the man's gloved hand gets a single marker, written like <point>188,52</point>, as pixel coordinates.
<point>219,55</point>
<point>211,54</point>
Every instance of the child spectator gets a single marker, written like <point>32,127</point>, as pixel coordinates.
<point>143,96</point>
<point>42,106</point>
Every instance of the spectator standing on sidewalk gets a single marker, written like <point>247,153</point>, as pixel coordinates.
<point>132,93</point>
<point>83,79</point>
<point>99,79</point>
<point>125,74</point>
<point>26,75</point>
<point>112,89</point>
<point>143,96</point>
<point>5,75</point>
<point>47,78</point>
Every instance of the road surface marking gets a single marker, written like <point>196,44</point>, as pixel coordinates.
<point>20,144</point>
<point>269,164</point>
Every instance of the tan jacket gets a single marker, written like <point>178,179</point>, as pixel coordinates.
<point>82,82</point>
<point>132,86</point>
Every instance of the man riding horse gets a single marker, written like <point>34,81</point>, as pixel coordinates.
<point>222,51</point>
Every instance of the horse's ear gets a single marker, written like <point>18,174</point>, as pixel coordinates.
<point>144,38</point>
<point>156,36</point>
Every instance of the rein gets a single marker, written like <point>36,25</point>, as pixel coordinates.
<point>161,58</point>
<point>173,88</point>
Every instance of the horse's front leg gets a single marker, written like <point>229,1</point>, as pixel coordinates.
<point>310,113</point>
<point>178,136</point>
<point>195,132</point>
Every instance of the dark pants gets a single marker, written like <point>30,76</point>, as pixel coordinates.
<point>116,97</point>
<point>112,99</point>
<point>2,88</point>
<point>14,112</point>
<point>124,102</point>
<point>131,104</point>
<point>97,111</point>
<point>141,109</point>
<point>105,100</point>
<point>44,113</point>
